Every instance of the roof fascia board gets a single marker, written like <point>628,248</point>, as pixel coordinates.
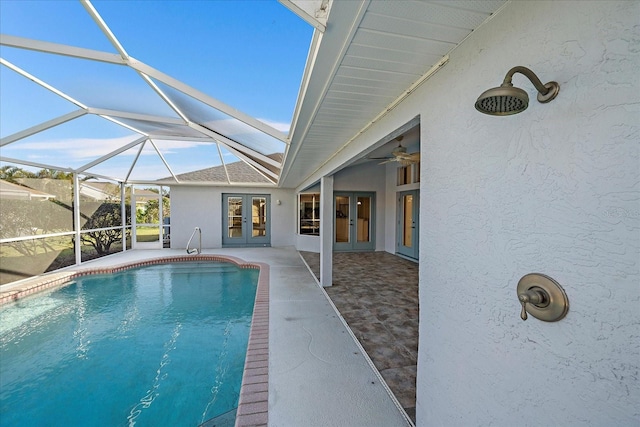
<point>60,49</point>
<point>332,50</point>
<point>41,127</point>
<point>319,7</point>
<point>210,101</point>
<point>311,59</point>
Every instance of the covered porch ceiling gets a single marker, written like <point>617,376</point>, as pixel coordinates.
<point>365,57</point>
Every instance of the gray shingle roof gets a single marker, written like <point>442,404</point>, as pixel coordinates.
<point>238,172</point>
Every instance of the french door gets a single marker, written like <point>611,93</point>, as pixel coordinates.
<point>246,220</point>
<point>354,222</point>
<point>408,223</point>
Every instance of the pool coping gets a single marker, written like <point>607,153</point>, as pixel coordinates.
<point>253,404</point>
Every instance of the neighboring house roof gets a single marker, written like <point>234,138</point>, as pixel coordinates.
<point>109,191</point>
<point>238,172</point>
<point>9,190</point>
<point>143,196</point>
<point>99,190</point>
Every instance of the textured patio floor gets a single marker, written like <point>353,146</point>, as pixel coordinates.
<point>377,294</point>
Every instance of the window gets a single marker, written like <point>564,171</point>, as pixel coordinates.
<point>309,214</point>
<point>409,174</point>
<point>404,175</point>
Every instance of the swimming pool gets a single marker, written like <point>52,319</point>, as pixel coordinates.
<point>158,345</point>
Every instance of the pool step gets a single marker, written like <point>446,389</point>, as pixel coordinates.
<point>227,419</point>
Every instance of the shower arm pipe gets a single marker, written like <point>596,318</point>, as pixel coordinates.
<point>542,88</point>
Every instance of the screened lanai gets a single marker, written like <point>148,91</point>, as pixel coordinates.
<point>92,136</point>
<point>118,118</point>
<point>105,102</point>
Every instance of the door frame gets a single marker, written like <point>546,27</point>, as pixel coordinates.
<point>246,239</point>
<point>155,244</point>
<point>413,251</point>
<point>353,245</point>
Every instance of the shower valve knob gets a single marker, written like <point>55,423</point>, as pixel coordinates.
<point>536,296</point>
<point>542,297</point>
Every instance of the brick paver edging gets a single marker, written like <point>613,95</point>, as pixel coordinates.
<point>253,406</point>
<point>59,279</point>
<point>254,393</point>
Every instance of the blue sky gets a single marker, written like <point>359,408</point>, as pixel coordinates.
<point>247,54</point>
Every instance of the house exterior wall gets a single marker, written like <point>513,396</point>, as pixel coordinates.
<point>197,206</point>
<point>552,190</point>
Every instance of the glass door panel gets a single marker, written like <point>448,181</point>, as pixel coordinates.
<point>364,219</point>
<point>259,216</point>
<point>408,224</point>
<point>343,234</point>
<point>234,217</point>
<point>354,222</point>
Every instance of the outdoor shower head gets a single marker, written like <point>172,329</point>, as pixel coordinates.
<point>506,99</point>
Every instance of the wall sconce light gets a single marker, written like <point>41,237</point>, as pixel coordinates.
<point>506,99</point>
<point>278,202</point>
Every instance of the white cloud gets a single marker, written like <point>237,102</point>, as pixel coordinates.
<point>282,127</point>
<point>89,148</point>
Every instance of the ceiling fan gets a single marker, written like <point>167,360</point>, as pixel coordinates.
<point>400,155</point>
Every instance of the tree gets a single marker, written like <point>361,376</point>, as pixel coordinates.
<point>12,173</point>
<point>105,216</point>
<point>150,213</point>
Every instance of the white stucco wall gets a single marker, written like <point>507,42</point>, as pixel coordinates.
<point>202,207</point>
<point>555,190</point>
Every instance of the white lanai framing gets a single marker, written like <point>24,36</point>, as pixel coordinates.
<point>198,118</point>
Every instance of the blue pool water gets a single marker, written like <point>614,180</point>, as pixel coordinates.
<point>161,345</point>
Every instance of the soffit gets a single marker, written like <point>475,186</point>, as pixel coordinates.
<point>371,53</point>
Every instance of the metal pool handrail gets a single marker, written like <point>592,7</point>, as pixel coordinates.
<point>199,248</point>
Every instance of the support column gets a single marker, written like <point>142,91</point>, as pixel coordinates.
<point>326,231</point>
<point>76,218</point>
<point>123,216</point>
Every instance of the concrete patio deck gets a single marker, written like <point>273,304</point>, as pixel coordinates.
<point>377,295</point>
